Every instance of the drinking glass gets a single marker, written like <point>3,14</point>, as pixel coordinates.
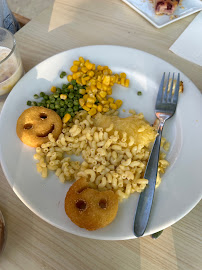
<point>11,69</point>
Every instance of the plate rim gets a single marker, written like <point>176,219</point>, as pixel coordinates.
<point>78,233</point>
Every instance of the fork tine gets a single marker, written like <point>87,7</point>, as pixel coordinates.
<point>177,87</point>
<point>166,89</point>
<point>171,89</point>
<point>160,92</point>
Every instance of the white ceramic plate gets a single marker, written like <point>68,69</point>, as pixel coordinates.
<point>146,9</point>
<point>181,185</point>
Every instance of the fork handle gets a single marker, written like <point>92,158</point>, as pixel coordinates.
<point>146,197</point>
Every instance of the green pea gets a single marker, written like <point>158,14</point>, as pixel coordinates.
<point>72,114</point>
<point>52,100</point>
<point>62,103</point>
<point>66,101</point>
<point>29,103</point>
<point>52,106</point>
<point>76,108</point>
<point>80,108</point>
<point>71,91</point>
<point>59,99</point>
<point>58,90</point>
<point>42,94</point>
<point>57,102</point>
<point>34,103</point>
<point>48,101</point>
<point>47,105</point>
<point>139,93</point>
<point>66,91</point>
<point>65,106</point>
<point>58,112</point>
<point>62,74</point>
<point>56,95</point>
<point>76,102</point>
<point>70,104</point>
<point>64,86</point>
<point>36,96</point>
<point>57,106</point>
<point>71,95</point>
<point>69,110</point>
<point>62,110</point>
<point>40,104</point>
<point>46,97</point>
<point>73,82</point>
<point>61,114</point>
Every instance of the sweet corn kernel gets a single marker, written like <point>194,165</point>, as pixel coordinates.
<point>74,68</point>
<point>92,82</point>
<point>74,76</point>
<point>105,72</point>
<point>86,108</point>
<point>106,80</point>
<point>110,71</point>
<point>91,100</point>
<point>83,81</point>
<point>78,80</point>
<point>85,97</point>
<point>88,65</point>
<point>81,102</point>
<point>99,85</point>
<point>123,75</point>
<point>93,87</point>
<point>127,83</point>
<point>89,104</point>
<point>111,100</point>
<point>76,63</point>
<point>91,73</point>
<point>93,68</point>
<point>81,59</point>
<point>103,94</point>
<point>118,102</point>
<point>66,118</point>
<point>87,78</point>
<point>99,98</point>
<point>69,78</point>
<point>82,91</point>
<point>84,69</point>
<point>63,96</point>
<point>100,67</point>
<point>104,87</point>
<point>104,102</point>
<point>113,106</point>
<point>123,81</point>
<point>105,109</point>
<point>109,92</point>
<point>94,106</point>
<point>53,89</point>
<point>70,86</point>
<point>92,111</point>
<point>99,108</point>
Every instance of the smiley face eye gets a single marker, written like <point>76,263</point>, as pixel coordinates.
<point>43,116</point>
<point>81,205</point>
<point>103,204</point>
<point>28,126</point>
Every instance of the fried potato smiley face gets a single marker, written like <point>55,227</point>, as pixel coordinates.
<point>35,123</point>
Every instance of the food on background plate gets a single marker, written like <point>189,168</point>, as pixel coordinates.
<point>166,7</point>
<point>35,123</point>
<point>89,208</point>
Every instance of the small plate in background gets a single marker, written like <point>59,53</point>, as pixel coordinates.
<point>146,9</point>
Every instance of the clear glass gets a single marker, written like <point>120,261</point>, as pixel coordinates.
<point>11,69</point>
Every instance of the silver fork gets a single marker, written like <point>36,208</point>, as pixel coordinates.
<point>165,108</point>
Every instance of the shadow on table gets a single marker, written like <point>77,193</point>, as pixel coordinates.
<point>187,240</point>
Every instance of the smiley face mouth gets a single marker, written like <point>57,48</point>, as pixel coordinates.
<point>29,126</point>
<point>45,134</point>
